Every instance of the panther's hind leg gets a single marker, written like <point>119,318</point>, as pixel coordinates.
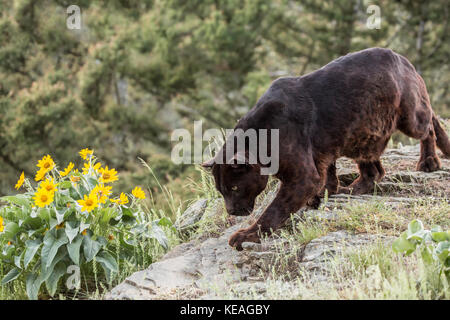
<point>416,122</point>
<point>419,126</point>
<point>369,173</point>
<point>429,161</point>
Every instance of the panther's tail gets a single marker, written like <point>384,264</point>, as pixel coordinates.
<point>442,140</point>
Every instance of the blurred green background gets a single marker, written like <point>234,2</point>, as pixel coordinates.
<point>136,70</point>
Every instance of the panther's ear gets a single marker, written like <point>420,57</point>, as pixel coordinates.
<point>239,158</point>
<point>209,163</point>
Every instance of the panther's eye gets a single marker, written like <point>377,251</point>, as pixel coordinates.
<point>234,188</point>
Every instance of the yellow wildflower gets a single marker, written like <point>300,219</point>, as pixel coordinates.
<point>123,199</point>
<point>67,170</point>
<point>46,163</point>
<point>89,203</point>
<point>85,152</point>
<point>87,167</point>
<point>84,232</point>
<point>102,192</point>
<point>20,181</point>
<point>43,198</point>
<point>138,193</point>
<point>1,225</point>
<point>40,174</point>
<point>48,185</point>
<point>108,175</point>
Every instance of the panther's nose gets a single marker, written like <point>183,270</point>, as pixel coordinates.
<point>239,212</point>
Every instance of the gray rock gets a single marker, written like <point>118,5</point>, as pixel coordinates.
<point>320,215</point>
<point>192,215</point>
<point>212,266</point>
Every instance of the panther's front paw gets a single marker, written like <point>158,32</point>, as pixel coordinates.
<point>314,203</point>
<point>243,235</point>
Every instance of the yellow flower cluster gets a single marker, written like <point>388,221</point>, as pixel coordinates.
<point>123,199</point>
<point>85,153</point>
<point>99,194</point>
<point>108,175</point>
<point>138,193</point>
<point>45,193</point>
<point>1,225</point>
<point>89,203</point>
<point>45,165</point>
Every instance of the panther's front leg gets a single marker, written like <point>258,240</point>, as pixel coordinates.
<point>290,198</point>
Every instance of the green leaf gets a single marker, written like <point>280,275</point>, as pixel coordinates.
<point>158,234</point>
<point>71,230</point>
<point>13,274</point>
<point>19,199</point>
<point>128,244</point>
<point>17,261</point>
<point>52,281</point>
<point>8,252</point>
<point>10,231</point>
<point>32,246</point>
<point>128,216</point>
<point>402,245</point>
<point>440,236</point>
<point>443,251</point>
<point>83,191</point>
<point>91,182</point>
<point>74,194</point>
<point>44,214</point>
<point>415,226</point>
<point>74,249</point>
<point>107,214</point>
<point>33,284</point>
<point>53,223</point>
<point>32,223</point>
<point>436,228</point>
<point>419,236</point>
<point>53,240</point>
<point>46,272</point>
<point>107,261</point>
<point>427,255</point>
<point>102,241</point>
<point>60,214</point>
<point>65,185</point>
<point>90,247</point>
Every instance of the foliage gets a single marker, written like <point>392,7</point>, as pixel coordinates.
<point>434,245</point>
<point>71,219</point>
<point>138,69</point>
